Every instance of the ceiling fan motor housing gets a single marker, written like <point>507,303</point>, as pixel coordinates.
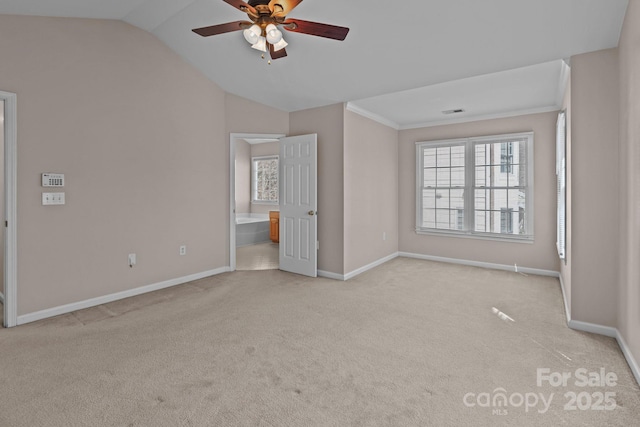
<point>264,18</point>
<point>255,3</point>
<point>264,12</point>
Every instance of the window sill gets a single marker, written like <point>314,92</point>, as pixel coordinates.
<point>478,236</point>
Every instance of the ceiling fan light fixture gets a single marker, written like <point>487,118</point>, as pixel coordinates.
<point>252,34</point>
<point>262,31</point>
<point>261,44</point>
<point>274,35</point>
<point>280,45</point>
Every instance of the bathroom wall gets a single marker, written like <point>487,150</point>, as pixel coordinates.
<point>244,153</point>
<point>258,150</point>
<point>243,176</point>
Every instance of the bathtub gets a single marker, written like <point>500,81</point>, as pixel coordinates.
<point>252,229</point>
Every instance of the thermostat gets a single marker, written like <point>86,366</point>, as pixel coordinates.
<point>53,180</point>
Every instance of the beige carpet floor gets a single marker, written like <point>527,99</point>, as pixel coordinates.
<point>400,345</point>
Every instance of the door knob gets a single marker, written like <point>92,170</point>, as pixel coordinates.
<point>312,213</point>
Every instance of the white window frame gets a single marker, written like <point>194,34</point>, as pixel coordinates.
<point>561,180</point>
<point>469,193</point>
<point>254,181</point>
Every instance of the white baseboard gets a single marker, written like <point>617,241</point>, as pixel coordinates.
<point>612,333</point>
<point>633,363</point>
<point>567,310</point>
<point>330,275</point>
<point>67,308</point>
<point>368,267</point>
<point>607,331</point>
<point>354,273</point>
<point>525,270</point>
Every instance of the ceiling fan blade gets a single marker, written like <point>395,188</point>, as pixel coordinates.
<point>277,54</point>
<point>283,7</point>
<point>316,29</point>
<point>222,28</point>
<point>242,6</point>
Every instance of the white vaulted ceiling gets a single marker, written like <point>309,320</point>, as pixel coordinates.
<point>402,62</point>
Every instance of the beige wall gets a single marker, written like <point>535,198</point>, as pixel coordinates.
<point>264,149</point>
<point>243,176</point>
<point>370,191</point>
<point>139,135</point>
<point>244,153</point>
<point>245,116</point>
<point>605,105</point>
<point>542,253</point>
<point>2,214</point>
<point>629,290</point>
<point>565,266</point>
<point>328,123</point>
<point>594,193</point>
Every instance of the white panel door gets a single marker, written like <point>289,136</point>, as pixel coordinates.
<point>298,205</point>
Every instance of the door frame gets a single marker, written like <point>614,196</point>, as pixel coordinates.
<point>10,304</point>
<point>232,186</point>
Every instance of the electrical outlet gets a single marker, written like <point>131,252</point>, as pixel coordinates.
<point>132,260</point>
<point>183,250</point>
<point>384,235</point>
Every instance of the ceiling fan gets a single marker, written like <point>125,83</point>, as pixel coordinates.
<point>266,16</point>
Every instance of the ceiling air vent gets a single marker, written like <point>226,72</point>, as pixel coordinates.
<point>456,111</point>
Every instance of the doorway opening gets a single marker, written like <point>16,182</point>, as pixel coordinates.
<point>8,149</point>
<point>293,207</point>
<point>254,201</point>
<point>2,203</point>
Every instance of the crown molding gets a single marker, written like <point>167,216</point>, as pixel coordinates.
<point>375,117</point>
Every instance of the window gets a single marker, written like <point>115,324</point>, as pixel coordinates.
<point>506,220</point>
<point>443,192</point>
<point>561,172</point>
<point>476,187</point>
<point>460,222</point>
<point>506,157</point>
<point>264,180</point>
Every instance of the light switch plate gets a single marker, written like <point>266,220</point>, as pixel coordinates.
<point>53,199</point>
<point>53,180</point>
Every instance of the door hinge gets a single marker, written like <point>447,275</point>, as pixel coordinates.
<point>6,223</point>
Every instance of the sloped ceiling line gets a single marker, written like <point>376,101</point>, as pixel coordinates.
<point>399,51</point>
